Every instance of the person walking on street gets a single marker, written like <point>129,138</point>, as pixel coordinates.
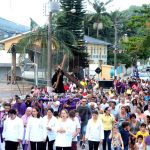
<point>50,124</point>
<point>63,132</point>
<point>35,132</point>
<point>85,114</point>
<point>13,131</point>
<point>25,118</point>
<point>75,128</point>
<point>94,131</point>
<point>108,121</point>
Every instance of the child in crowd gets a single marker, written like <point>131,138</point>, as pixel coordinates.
<point>142,131</point>
<point>139,145</point>
<point>125,134</point>
<point>116,139</point>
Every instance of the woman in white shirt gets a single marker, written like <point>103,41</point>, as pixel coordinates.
<point>94,131</point>
<point>63,132</point>
<point>36,132</point>
<point>13,131</point>
<point>50,122</point>
<point>75,128</point>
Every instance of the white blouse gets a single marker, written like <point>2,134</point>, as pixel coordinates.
<point>36,131</point>
<point>13,129</point>
<point>50,124</point>
<point>64,139</point>
<point>95,130</point>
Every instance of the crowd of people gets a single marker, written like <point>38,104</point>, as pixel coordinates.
<point>116,119</point>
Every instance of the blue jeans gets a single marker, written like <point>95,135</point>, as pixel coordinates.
<point>116,148</point>
<point>107,140</point>
<point>83,129</point>
<point>126,147</point>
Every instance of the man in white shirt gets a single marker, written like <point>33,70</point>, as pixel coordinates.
<point>147,112</point>
<point>13,131</point>
<point>55,104</point>
<point>72,87</point>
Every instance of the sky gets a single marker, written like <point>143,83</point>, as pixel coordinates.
<point>20,11</point>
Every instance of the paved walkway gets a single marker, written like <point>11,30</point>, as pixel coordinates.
<point>8,90</point>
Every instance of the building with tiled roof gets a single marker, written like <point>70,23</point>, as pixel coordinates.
<point>9,28</point>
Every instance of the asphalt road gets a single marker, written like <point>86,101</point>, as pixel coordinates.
<point>78,147</point>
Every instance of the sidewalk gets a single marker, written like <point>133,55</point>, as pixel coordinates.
<point>9,90</point>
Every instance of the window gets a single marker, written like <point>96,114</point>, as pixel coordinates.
<point>105,50</point>
<point>95,49</point>
<point>100,55</point>
<point>95,56</point>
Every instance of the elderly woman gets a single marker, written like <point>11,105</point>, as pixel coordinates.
<point>25,119</point>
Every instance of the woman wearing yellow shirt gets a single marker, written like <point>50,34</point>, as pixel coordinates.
<point>108,121</point>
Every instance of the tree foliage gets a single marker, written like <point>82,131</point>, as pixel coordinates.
<point>73,21</point>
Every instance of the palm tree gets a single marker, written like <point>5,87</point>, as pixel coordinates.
<point>99,17</point>
<point>36,42</point>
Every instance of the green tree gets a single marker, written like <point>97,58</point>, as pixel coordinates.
<point>138,43</point>
<point>72,19</point>
<point>40,36</point>
<point>99,19</point>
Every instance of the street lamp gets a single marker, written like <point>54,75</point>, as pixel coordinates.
<point>53,8</point>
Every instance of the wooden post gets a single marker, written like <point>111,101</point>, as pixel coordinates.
<point>13,68</point>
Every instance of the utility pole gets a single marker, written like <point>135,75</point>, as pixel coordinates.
<point>115,50</point>
<point>49,46</point>
<point>53,7</point>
